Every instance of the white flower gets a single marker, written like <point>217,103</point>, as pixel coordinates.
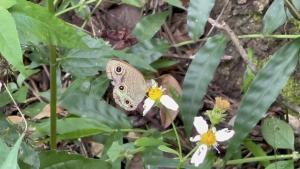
<point>207,138</point>
<point>155,94</point>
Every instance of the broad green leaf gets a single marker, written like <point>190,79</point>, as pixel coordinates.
<point>114,151</point>
<point>277,15</point>
<point>289,164</point>
<point>260,95</point>
<point>150,50</point>
<point>4,150</point>
<point>256,150</point>
<point>34,109</point>
<point>64,160</point>
<point>11,161</point>
<point>19,96</point>
<point>136,3</point>
<point>92,107</point>
<point>166,149</point>
<point>29,157</point>
<point>146,28</point>
<point>278,133</point>
<point>7,3</point>
<point>72,128</point>
<point>148,142</point>
<point>177,3</point>
<point>10,47</point>
<point>198,76</point>
<point>36,24</point>
<point>198,13</point>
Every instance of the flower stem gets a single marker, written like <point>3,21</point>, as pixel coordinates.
<point>178,140</point>
<point>53,87</point>
<point>293,156</point>
<point>74,7</point>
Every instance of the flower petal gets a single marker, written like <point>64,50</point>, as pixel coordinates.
<point>148,104</point>
<point>153,83</point>
<point>199,156</point>
<point>169,102</point>
<point>224,134</point>
<point>200,125</point>
<point>195,139</point>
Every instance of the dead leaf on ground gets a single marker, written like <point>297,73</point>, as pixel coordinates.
<point>170,83</point>
<point>14,119</point>
<point>45,113</point>
<point>96,148</point>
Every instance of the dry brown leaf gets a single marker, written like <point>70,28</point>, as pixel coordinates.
<point>14,119</point>
<point>166,115</point>
<point>96,148</point>
<point>45,113</point>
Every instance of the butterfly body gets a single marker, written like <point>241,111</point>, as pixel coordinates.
<point>129,84</point>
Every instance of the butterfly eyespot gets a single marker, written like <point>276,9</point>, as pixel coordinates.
<point>127,102</point>
<point>121,87</point>
<point>119,70</point>
<point>131,106</point>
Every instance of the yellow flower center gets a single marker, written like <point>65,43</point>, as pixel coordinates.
<point>221,103</point>
<point>208,138</point>
<point>154,93</point>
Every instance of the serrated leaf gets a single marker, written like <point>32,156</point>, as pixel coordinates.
<point>63,160</point>
<point>260,95</point>
<point>11,160</point>
<point>256,150</point>
<point>198,76</point>
<point>198,13</point>
<point>72,128</point>
<point>276,15</point>
<point>7,3</point>
<point>146,28</point>
<point>278,133</point>
<point>10,47</point>
<point>92,107</point>
<point>176,3</point>
<point>136,3</point>
<point>281,165</point>
<point>36,24</point>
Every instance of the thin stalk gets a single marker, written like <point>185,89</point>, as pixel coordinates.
<point>74,7</point>
<point>53,87</point>
<point>293,156</point>
<point>269,36</point>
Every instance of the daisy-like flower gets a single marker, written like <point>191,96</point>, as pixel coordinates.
<point>156,95</point>
<point>207,138</point>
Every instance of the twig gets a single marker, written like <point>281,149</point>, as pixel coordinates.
<point>223,26</point>
<point>16,105</point>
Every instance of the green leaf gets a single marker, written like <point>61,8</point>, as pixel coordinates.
<point>19,96</point>
<point>146,28</point>
<point>7,3</point>
<point>260,95</point>
<point>198,13</point>
<point>177,3</point>
<point>276,15</point>
<point>72,128</point>
<point>10,47</point>
<point>150,50</point>
<point>198,76</point>
<point>256,150</point>
<point>281,165</point>
<point>11,161</point>
<point>36,24</point>
<point>148,142</point>
<point>92,107</point>
<point>166,149</point>
<point>34,109</point>
<point>163,63</point>
<point>64,160</point>
<point>29,156</point>
<point>114,151</point>
<point>4,150</point>
<point>278,133</point>
<point>136,3</point>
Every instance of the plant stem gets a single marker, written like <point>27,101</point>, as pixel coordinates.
<point>178,140</point>
<point>74,7</point>
<point>269,36</point>
<point>53,87</point>
<point>294,156</point>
